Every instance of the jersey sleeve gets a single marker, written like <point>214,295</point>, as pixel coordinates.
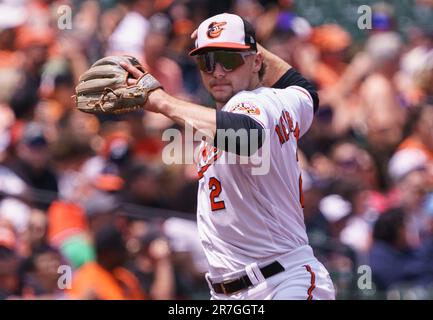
<point>294,78</point>
<point>250,104</point>
<point>299,102</point>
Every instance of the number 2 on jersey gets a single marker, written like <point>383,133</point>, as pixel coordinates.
<point>215,191</point>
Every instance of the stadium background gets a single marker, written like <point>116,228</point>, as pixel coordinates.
<point>93,193</point>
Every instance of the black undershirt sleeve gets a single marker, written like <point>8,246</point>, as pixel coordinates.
<point>294,78</point>
<point>238,133</point>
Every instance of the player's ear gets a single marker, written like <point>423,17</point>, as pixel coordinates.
<point>258,61</point>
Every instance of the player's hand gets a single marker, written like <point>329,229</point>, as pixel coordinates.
<point>115,84</point>
<point>194,34</point>
<point>135,72</point>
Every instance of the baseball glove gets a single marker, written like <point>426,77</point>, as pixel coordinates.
<point>104,87</point>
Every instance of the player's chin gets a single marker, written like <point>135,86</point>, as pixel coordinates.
<point>221,95</point>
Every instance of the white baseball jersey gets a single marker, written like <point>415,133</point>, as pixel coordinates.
<point>245,218</point>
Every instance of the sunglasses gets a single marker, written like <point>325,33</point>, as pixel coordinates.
<point>229,60</point>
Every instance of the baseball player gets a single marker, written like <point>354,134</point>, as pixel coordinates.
<point>251,226</point>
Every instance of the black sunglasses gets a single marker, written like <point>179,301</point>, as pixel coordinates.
<point>229,60</point>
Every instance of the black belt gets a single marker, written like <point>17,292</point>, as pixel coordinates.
<point>244,282</point>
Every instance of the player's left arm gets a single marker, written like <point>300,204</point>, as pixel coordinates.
<point>275,67</point>
<point>280,75</point>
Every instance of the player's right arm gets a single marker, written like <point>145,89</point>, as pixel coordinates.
<point>203,119</point>
<point>207,121</point>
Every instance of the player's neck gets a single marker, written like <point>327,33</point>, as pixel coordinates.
<point>254,84</point>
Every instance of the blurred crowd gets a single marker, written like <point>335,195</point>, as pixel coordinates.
<point>93,194</point>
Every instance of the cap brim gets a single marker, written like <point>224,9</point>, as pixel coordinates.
<point>219,45</point>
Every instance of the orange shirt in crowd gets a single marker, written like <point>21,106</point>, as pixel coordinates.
<point>92,281</point>
<point>65,219</point>
<point>326,76</point>
<point>9,59</point>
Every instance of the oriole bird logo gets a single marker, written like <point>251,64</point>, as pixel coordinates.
<point>215,29</point>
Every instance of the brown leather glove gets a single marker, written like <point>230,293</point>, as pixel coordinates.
<point>104,87</point>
